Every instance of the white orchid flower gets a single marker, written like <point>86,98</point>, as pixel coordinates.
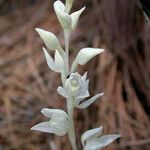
<point>58,123</point>
<point>56,64</point>
<point>67,21</point>
<point>92,139</point>
<point>76,87</point>
<point>84,55</point>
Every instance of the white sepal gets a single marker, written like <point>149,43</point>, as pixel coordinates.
<point>90,134</point>
<point>86,54</point>
<point>50,61</point>
<point>43,127</point>
<point>59,61</point>
<point>87,103</point>
<point>63,17</point>
<point>84,76</point>
<point>69,5</point>
<point>49,39</point>
<point>62,92</point>
<point>105,140</point>
<point>75,17</point>
<point>84,95</point>
<point>49,112</point>
<point>56,65</point>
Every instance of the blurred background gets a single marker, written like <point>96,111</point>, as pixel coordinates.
<point>122,72</point>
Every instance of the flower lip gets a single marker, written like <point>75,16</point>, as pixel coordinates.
<point>76,85</point>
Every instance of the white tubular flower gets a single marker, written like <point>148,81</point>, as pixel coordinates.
<point>58,123</point>
<point>49,39</point>
<point>68,22</point>
<point>56,65</point>
<point>92,139</point>
<point>76,87</point>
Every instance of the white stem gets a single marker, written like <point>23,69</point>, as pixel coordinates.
<point>67,36</point>
<point>71,130</point>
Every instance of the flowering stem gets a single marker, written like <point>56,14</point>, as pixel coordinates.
<point>67,36</point>
<point>71,130</point>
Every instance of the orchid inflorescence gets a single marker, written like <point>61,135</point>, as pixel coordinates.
<point>75,87</point>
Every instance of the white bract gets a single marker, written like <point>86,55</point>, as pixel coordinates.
<point>69,5</point>
<point>49,39</point>
<point>58,123</point>
<point>92,139</point>
<point>56,64</point>
<point>77,88</point>
<point>87,54</point>
<point>67,21</point>
<point>84,55</point>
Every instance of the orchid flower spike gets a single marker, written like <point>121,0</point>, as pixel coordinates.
<point>58,123</point>
<point>67,21</point>
<point>92,139</point>
<point>76,87</point>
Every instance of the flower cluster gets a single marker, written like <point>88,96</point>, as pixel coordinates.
<point>75,87</point>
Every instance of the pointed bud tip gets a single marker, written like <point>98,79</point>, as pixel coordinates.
<point>38,29</point>
<point>119,136</point>
<point>43,110</point>
<point>101,127</point>
<point>101,94</point>
<point>44,49</point>
<point>101,50</point>
<point>32,128</point>
<point>83,8</point>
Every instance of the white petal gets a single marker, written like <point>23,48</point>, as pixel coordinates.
<point>62,92</point>
<point>86,54</point>
<point>84,76</point>
<point>75,17</point>
<point>92,145</point>
<point>83,95</point>
<point>49,112</point>
<point>50,61</point>
<point>63,17</point>
<point>59,61</point>
<point>43,127</point>
<point>106,140</point>
<point>86,136</point>
<point>87,84</point>
<point>89,102</point>
<point>49,39</point>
